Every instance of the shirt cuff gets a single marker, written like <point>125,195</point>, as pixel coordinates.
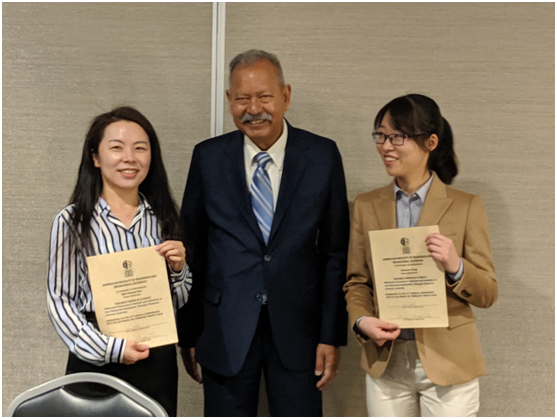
<point>456,276</point>
<point>178,276</point>
<point>358,330</point>
<point>115,350</point>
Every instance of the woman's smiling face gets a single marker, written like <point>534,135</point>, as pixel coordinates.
<point>405,162</point>
<point>124,156</point>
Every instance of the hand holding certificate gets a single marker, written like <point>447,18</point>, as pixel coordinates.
<point>132,296</point>
<point>409,284</point>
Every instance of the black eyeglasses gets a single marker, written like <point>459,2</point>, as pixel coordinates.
<point>395,139</point>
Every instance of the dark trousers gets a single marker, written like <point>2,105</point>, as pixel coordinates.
<point>289,393</point>
<point>156,376</point>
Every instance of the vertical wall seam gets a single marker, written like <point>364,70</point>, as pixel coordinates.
<point>217,69</point>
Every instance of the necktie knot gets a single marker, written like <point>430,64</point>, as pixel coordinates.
<point>262,159</point>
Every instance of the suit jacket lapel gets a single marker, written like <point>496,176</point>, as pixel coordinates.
<point>436,203</point>
<point>237,181</point>
<point>293,168</point>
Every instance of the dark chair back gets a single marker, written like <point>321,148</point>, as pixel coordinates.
<point>53,399</point>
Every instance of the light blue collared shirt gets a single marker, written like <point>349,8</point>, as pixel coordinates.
<point>408,210</point>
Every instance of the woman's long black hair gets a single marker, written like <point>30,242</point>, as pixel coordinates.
<point>419,116</point>
<point>89,184</point>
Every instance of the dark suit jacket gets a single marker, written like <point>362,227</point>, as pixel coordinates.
<point>302,269</point>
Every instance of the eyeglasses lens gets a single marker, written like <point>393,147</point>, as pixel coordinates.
<point>397,139</point>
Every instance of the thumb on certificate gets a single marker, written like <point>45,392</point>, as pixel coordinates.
<point>141,347</point>
<point>386,325</point>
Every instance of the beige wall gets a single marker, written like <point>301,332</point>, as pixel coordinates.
<point>63,64</point>
<point>490,67</point>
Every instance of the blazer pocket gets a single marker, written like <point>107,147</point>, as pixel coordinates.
<point>460,316</point>
<point>212,295</point>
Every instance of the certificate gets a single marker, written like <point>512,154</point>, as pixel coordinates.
<point>132,297</point>
<point>409,283</point>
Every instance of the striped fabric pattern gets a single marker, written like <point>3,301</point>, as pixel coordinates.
<point>69,295</point>
<point>262,195</point>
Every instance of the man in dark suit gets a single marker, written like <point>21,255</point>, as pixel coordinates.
<point>266,215</point>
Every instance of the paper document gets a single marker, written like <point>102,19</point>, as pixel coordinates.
<point>409,283</point>
<point>132,297</point>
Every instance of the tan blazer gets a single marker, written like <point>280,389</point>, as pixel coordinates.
<point>449,355</point>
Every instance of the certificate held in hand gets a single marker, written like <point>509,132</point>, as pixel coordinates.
<point>409,283</point>
<point>132,297</point>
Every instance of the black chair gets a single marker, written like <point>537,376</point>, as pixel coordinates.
<point>53,399</point>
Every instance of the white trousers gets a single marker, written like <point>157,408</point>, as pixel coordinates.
<point>405,390</point>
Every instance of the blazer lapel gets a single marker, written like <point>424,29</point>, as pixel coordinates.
<point>436,203</point>
<point>293,169</point>
<point>385,207</point>
<point>237,181</point>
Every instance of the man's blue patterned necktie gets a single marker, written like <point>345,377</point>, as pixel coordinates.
<point>262,195</point>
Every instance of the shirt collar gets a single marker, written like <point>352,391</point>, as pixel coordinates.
<point>102,205</point>
<point>422,192</point>
<point>145,203</point>
<point>276,151</point>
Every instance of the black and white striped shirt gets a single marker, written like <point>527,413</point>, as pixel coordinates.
<point>69,295</point>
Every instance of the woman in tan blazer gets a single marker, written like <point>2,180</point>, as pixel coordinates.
<point>434,371</point>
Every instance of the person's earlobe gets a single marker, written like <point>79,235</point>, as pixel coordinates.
<point>287,92</point>
<point>230,100</point>
<point>432,142</point>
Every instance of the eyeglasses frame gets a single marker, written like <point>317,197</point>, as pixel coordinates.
<point>391,137</point>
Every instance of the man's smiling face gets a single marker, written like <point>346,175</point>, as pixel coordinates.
<point>258,102</point>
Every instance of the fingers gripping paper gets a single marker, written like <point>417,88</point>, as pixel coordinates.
<point>132,297</point>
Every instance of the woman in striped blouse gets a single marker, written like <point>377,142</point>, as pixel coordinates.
<point>121,201</point>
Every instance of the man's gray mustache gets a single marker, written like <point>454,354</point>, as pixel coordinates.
<point>260,116</point>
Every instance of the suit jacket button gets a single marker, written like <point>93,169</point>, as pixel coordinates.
<point>267,258</point>
<point>465,293</point>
